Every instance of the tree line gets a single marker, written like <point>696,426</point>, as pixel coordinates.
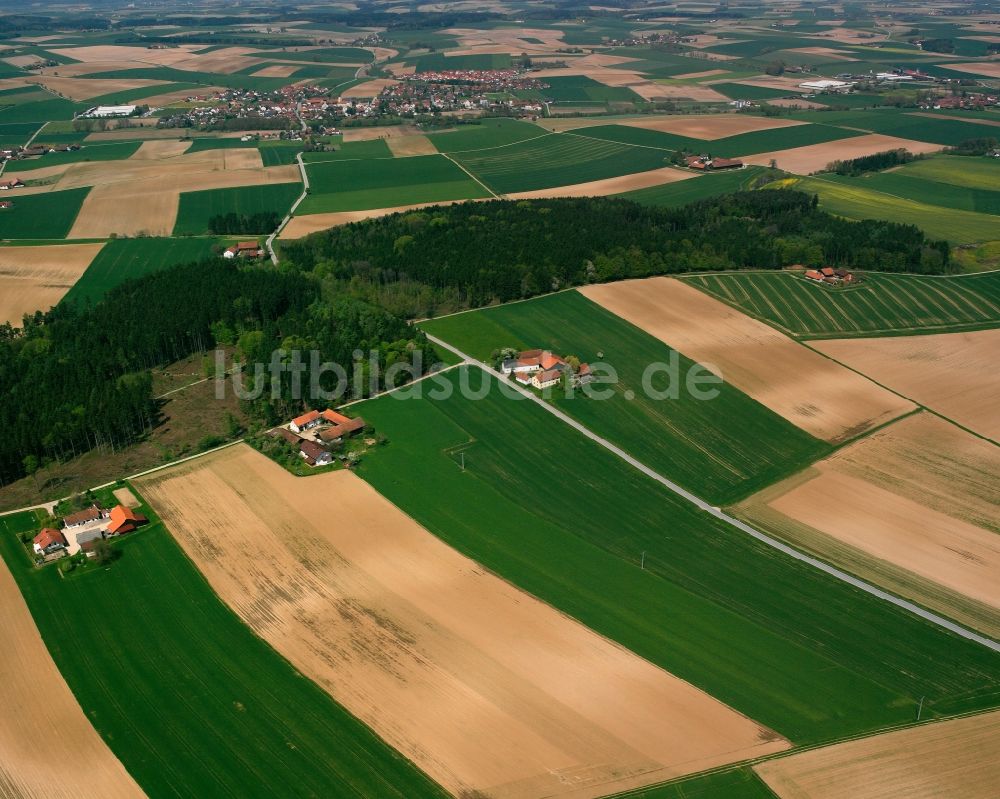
<point>876,162</point>
<point>233,223</point>
<point>435,260</point>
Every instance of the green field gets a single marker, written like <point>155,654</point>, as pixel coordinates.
<point>721,449</point>
<point>196,208</point>
<point>190,701</point>
<point>111,151</point>
<point>557,160</point>
<point>761,141</point>
<point>906,125</point>
<point>956,170</point>
<point>122,259</point>
<point>16,134</point>
<point>434,62</point>
<point>855,200</point>
<point>698,188</point>
<point>741,783</point>
<point>566,520</point>
<point>581,90</point>
<point>41,216</point>
<point>883,304</point>
<point>742,91</point>
<point>279,153</point>
<point>349,151</point>
<point>904,185</point>
<point>344,55</point>
<point>489,133</point>
<point>383,183</point>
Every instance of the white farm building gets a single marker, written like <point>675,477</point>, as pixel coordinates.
<point>106,111</point>
<point>825,85</point>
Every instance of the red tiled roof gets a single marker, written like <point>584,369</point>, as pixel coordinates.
<point>338,430</point>
<point>827,271</point>
<point>812,274</point>
<point>550,361</point>
<point>248,245</point>
<point>124,520</point>
<point>47,537</point>
<point>549,374</point>
<point>305,418</point>
<point>335,418</point>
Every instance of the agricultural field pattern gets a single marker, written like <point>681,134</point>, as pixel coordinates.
<point>512,400</point>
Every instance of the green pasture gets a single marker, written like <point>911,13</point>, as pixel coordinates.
<point>196,208</point>
<point>883,304</point>
<point>382,183</point>
<point>742,91</point>
<point>721,449</point>
<point>568,521</point>
<point>557,160</point>
<point>186,696</point>
<point>98,151</point>
<point>435,62</point>
<point>278,153</point>
<point>487,134</point>
<point>124,259</point>
<point>904,124</point>
<point>856,200</point>
<point>739,783</point>
<point>974,172</point>
<point>905,185</point>
<point>575,89</point>
<point>49,215</point>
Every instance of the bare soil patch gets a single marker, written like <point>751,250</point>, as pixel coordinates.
<point>707,73</point>
<point>278,71</point>
<point>826,52</point>
<point>92,68</point>
<point>167,98</point>
<point>685,91</point>
<point>911,507</point>
<point>602,188</point>
<point>954,374</point>
<point>955,758</point>
<point>126,497</point>
<point>370,88</point>
<point>381,132</point>
<point>795,102</point>
<point>101,53</point>
<point>813,393</point>
<point>710,126</point>
<point>815,157</point>
<point>158,149</point>
<point>85,88</point>
<point>480,685</point>
<point>36,278</point>
<point>301,226</point>
<point>417,144</point>
<point>40,708</point>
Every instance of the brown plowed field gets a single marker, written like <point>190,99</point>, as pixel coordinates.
<point>957,759</point>
<point>823,398</point>
<point>36,278</point>
<point>955,374</point>
<point>911,507</point>
<point>482,686</point>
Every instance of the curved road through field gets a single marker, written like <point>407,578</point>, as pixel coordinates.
<point>718,513</point>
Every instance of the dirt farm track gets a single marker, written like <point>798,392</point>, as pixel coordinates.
<point>480,685</point>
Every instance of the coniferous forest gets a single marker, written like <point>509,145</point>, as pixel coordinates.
<point>438,259</point>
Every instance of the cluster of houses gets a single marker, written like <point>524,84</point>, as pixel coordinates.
<point>244,249</point>
<point>314,429</point>
<point>35,150</point>
<point>542,369</point>
<point>280,106</point>
<point>708,164</point>
<point>83,529</point>
<point>834,277</point>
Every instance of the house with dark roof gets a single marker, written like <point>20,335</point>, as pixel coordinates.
<point>92,514</point>
<point>314,454</point>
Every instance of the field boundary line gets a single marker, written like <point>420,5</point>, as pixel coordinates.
<point>477,180</point>
<point>498,147</point>
<point>718,513</point>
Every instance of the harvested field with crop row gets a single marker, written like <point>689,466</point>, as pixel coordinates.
<point>36,278</point>
<point>883,304</point>
<point>954,374</point>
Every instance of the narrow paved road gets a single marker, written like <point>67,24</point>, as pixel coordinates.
<point>291,211</point>
<point>718,513</point>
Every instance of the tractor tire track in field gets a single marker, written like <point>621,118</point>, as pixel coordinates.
<point>718,513</point>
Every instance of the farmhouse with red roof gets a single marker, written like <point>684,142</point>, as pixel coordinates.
<point>542,369</point>
<point>124,520</point>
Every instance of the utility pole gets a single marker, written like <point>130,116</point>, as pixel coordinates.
<point>920,708</point>
<point>642,565</point>
<point>462,455</point>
